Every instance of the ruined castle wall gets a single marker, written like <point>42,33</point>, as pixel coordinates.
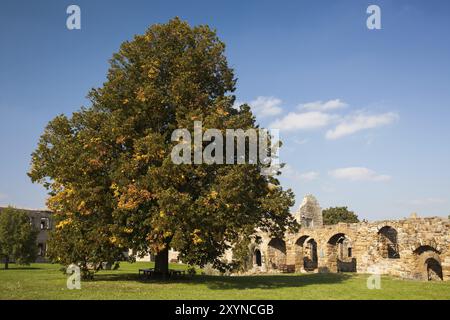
<point>401,248</point>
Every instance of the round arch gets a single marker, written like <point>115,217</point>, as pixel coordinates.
<point>276,253</point>
<point>388,247</point>
<point>428,265</point>
<point>340,254</point>
<point>433,269</point>
<point>257,257</point>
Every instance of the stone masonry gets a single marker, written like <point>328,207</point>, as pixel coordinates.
<point>413,248</point>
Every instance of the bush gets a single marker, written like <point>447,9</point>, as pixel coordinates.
<point>191,271</point>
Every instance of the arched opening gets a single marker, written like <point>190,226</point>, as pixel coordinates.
<point>257,258</point>
<point>340,254</point>
<point>422,249</point>
<point>276,253</point>
<point>310,260</point>
<point>387,243</point>
<point>300,241</point>
<point>428,263</point>
<point>434,270</point>
<point>299,251</point>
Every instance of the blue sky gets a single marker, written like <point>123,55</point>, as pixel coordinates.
<point>364,113</point>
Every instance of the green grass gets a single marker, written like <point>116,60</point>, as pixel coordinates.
<point>45,281</point>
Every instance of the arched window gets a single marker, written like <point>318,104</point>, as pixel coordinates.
<point>258,258</point>
<point>387,243</point>
<point>306,254</point>
<point>276,253</point>
<point>299,252</point>
<point>340,254</point>
<point>425,248</point>
<point>434,269</point>
<point>310,258</point>
<point>429,263</point>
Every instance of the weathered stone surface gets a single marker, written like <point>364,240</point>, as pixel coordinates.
<point>414,248</point>
<point>309,214</point>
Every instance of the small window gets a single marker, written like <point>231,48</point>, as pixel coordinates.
<point>258,258</point>
<point>349,252</point>
<point>308,223</point>
<point>44,224</point>
<point>41,249</point>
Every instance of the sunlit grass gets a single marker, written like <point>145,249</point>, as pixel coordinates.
<point>46,281</point>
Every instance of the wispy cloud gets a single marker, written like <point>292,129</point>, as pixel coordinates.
<point>358,174</point>
<point>300,141</point>
<point>427,201</point>
<point>328,188</point>
<point>308,176</point>
<point>354,123</point>
<point>320,115</point>
<point>324,106</point>
<point>303,121</point>
<point>291,173</point>
<point>266,106</point>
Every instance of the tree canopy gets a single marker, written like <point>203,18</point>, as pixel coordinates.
<point>338,214</point>
<point>17,237</point>
<point>108,169</point>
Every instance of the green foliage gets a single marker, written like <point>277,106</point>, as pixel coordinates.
<point>108,169</point>
<point>17,237</point>
<point>339,214</point>
<point>191,271</point>
<point>82,244</point>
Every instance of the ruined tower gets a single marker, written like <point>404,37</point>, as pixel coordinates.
<point>309,215</point>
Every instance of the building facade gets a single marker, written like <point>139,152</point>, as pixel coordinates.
<point>42,221</point>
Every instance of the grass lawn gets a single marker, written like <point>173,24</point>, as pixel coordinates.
<point>45,281</point>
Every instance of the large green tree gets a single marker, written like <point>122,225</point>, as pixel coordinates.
<point>17,237</point>
<point>338,214</point>
<point>108,167</point>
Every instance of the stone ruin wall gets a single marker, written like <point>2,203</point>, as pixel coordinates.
<point>325,249</point>
<point>414,248</point>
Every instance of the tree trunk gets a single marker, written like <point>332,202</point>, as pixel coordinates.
<point>162,262</point>
<point>6,263</point>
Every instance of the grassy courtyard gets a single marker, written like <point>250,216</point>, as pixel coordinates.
<point>45,281</point>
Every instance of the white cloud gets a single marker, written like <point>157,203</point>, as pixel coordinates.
<point>302,121</point>
<point>358,122</point>
<point>300,141</point>
<point>315,115</point>
<point>308,176</point>
<point>427,201</point>
<point>328,188</point>
<point>266,106</point>
<point>358,174</point>
<point>291,173</point>
<point>324,106</point>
